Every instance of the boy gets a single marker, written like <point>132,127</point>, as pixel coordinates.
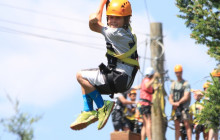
<point>118,118</point>
<point>180,100</point>
<point>130,111</point>
<point>122,66</point>
<point>196,108</point>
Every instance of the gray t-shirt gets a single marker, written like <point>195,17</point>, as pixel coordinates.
<point>115,99</point>
<point>178,88</point>
<point>120,39</point>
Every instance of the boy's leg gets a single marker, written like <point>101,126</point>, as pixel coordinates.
<point>96,96</point>
<point>144,127</point>
<point>86,86</point>
<point>104,107</point>
<point>188,129</point>
<point>84,119</point>
<point>104,113</point>
<point>149,135</point>
<point>88,103</point>
<point>88,115</point>
<point>177,129</point>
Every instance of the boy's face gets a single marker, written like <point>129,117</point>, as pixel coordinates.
<point>132,96</point>
<point>115,21</point>
<point>178,74</point>
<point>197,97</point>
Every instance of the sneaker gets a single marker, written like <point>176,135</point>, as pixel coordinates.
<point>84,119</point>
<point>104,113</point>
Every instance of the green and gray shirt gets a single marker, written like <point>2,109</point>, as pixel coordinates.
<point>178,88</point>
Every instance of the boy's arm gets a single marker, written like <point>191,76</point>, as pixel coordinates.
<point>171,99</point>
<point>125,101</point>
<point>137,87</point>
<point>95,19</point>
<point>152,80</point>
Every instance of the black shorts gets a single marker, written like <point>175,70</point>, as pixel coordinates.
<point>117,119</point>
<point>200,128</point>
<point>129,124</point>
<point>145,110</point>
<point>120,83</point>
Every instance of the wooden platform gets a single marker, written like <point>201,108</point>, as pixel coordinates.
<point>122,135</point>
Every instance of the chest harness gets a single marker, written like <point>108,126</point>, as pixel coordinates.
<point>178,93</point>
<point>128,58</point>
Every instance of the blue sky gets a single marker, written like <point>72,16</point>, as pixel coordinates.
<point>44,44</point>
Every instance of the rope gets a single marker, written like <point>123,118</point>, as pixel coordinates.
<point>156,39</point>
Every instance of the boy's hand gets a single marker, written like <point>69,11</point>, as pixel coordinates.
<point>176,104</point>
<point>134,102</point>
<point>137,87</point>
<point>93,18</point>
<point>156,74</point>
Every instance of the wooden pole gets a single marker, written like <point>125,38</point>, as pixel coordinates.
<point>158,129</point>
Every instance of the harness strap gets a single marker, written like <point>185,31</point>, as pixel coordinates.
<point>124,57</point>
<point>108,78</point>
<point>145,100</point>
<point>111,84</point>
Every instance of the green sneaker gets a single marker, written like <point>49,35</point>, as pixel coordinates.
<point>104,113</point>
<point>84,119</point>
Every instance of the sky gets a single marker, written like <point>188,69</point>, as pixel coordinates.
<point>45,43</point>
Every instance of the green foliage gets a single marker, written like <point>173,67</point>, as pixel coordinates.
<point>203,18</point>
<point>20,123</point>
<point>210,114</point>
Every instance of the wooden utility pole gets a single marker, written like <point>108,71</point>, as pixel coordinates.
<point>157,55</point>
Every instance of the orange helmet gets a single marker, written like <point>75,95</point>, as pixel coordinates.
<point>133,91</point>
<point>119,8</point>
<point>215,73</point>
<point>178,68</point>
<point>206,84</point>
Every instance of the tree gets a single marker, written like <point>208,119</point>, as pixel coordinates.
<point>20,123</point>
<point>210,114</point>
<point>203,18</point>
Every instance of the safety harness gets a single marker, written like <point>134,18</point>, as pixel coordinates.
<point>129,58</point>
<point>178,94</point>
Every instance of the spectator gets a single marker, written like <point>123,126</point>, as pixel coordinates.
<point>196,108</point>
<point>180,99</point>
<point>130,111</point>
<point>118,119</point>
<point>213,134</point>
<point>146,101</point>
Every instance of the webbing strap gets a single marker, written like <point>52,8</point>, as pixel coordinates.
<point>124,57</point>
<point>145,100</point>
<point>111,83</point>
<point>158,95</point>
